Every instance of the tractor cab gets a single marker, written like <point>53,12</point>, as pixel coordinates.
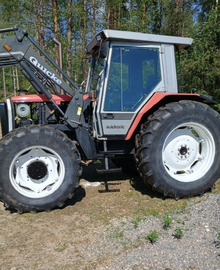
<point>126,70</point>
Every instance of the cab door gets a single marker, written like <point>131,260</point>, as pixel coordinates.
<point>133,75</point>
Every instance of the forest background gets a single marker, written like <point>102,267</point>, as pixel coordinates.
<point>75,22</point>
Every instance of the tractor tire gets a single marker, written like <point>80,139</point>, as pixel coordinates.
<point>39,169</point>
<point>178,149</point>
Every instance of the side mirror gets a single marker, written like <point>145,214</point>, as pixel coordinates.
<point>104,50</point>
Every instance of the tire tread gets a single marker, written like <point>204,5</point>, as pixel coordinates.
<point>149,130</point>
<point>11,203</point>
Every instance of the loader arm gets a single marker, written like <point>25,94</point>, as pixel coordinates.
<point>18,50</point>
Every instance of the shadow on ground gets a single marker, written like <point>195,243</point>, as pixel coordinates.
<point>90,174</point>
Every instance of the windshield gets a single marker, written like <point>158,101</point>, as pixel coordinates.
<point>95,74</point>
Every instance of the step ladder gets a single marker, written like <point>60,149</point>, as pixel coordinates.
<point>107,169</point>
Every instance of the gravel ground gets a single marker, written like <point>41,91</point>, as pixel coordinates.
<point>69,239</point>
<point>199,248</point>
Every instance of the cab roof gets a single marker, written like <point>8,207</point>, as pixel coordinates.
<point>136,37</point>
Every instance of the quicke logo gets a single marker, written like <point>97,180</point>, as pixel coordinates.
<point>35,62</point>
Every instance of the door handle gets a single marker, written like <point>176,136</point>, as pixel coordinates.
<point>108,116</point>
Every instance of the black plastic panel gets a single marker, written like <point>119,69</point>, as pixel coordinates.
<point>3,118</point>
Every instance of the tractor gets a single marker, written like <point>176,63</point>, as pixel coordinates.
<point>129,111</point>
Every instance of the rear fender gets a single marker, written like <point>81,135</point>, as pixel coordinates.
<point>160,99</point>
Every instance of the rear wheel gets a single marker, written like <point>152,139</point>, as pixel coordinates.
<point>39,169</point>
<point>178,149</point>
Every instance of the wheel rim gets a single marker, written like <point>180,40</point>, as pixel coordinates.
<point>37,172</point>
<point>188,152</point>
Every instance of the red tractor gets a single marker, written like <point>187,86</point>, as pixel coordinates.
<point>130,112</point>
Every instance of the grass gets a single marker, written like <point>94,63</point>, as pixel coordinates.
<point>217,187</point>
<point>61,247</point>
<point>152,237</point>
<point>116,234</point>
<point>155,213</point>
<point>167,221</point>
<point>217,242</point>
<point>136,221</point>
<point>180,221</point>
<point>178,233</point>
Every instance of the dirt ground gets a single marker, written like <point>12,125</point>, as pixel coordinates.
<point>61,238</point>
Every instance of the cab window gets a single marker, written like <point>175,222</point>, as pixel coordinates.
<point>134,73</point>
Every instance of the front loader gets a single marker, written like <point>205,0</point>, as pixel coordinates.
<point>129,112</point>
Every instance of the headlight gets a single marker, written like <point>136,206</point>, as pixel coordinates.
<point>23,110</point>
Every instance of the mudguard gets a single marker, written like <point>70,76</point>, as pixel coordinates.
<point>164,98</point>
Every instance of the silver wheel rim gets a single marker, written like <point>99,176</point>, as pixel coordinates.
<point>188,152</point>
<point>37,172</point>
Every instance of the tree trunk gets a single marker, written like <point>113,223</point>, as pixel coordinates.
<point>131,7</point>
<point>4,84</point>
<point>69,38</point>
<point>41,24</point>
<point>108,18</point>
<point>37,21</point>
<point>111,18</point>
<point>13,80</point>
<point>84,37</point>
<point>84,23</point>
<point>93,18</point>
<point>38,9</point>
<point>144,18</point>
<point>17,79</point>
<point>55,29</point>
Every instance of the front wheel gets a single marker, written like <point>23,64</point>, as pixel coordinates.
<point>178,149</point>
<point>39,169</point>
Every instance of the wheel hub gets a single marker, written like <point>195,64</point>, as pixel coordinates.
<point>188,152</point>
<point>37,170</point>
<point>183,150</point>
